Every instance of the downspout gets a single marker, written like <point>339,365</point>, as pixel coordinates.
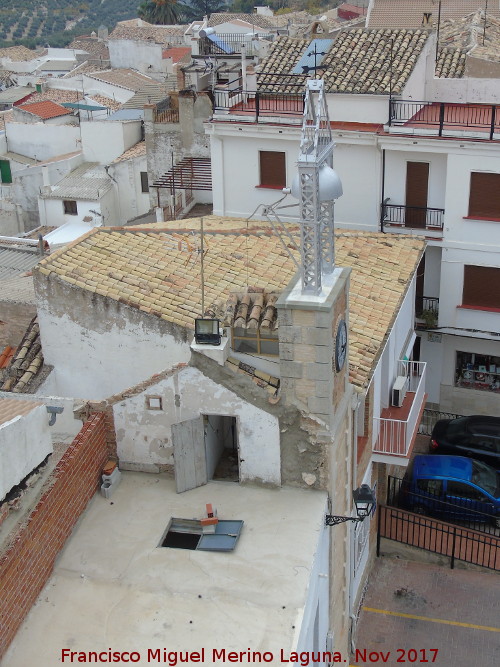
<point>384,202</point>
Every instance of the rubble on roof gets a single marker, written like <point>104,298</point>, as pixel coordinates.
<point>472,36</point>
<point>260,378</point>
<point>26,364</point>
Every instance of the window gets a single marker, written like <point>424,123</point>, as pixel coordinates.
<point>484,198</point>
<point>462,490</point>
<point>154,403</point>
<point>477,371</point>
<point>144,181</point>
<point>432,486</point>
<point>481,287</point>
<point>70,207</point>
<point>272,169</point>
<point>189,534</point>
<point>255,341</point>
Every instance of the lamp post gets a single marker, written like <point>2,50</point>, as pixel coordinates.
<point>365,503</point>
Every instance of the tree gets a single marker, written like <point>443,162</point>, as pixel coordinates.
<point>196,9</point>
<point>160,12</point>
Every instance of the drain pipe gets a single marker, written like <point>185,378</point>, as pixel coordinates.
<point>382,207</point>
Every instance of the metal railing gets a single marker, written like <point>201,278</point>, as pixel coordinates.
<point>257,105</point>
<point>445,116</point>
<point>414,217</point>
<point>430,417</point>
<point>230,42</point>
<point>395,435</point>
<point>455,542</point>
<point>402,494</point>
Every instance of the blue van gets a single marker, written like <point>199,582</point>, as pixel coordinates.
<point>453,487</point>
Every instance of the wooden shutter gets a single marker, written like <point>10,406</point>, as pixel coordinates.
<point>484,198</point>
<point>272,169</point>
<point>481,286</point>
<point>417,185</point>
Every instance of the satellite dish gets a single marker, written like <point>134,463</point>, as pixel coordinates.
<point>330,185</point>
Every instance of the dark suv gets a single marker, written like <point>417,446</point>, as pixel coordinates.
<point>476,436</point>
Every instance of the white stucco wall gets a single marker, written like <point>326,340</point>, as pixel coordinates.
<point>24,443</point>
<point>101,348</point>
<point>395,175</point>
<point>132,202</point>
<point>93,86</point>
<point>104,140</point>
<point>465,90</point>
<point>103,212</point>
<point>358,108</point>
<point>125,53</point>
<point>42,142</point>
<point>144,437</point>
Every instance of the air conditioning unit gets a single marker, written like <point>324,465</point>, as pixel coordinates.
<point>399,391</point>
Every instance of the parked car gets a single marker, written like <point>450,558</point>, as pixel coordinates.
<point>476,436</point>
<point>452,487</point>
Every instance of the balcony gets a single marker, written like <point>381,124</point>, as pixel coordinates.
<point>397,427</point>
<point>444,119</point>
<point>230,44</point>
<point>258,107</point>
<point>428,221</point>
<point>426,312</point>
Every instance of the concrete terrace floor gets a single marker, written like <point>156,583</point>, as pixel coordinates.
<point>113,587</point>
<point>426,613</point>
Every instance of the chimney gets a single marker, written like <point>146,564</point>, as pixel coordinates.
<point>426,21</point>
<point>186,117</point>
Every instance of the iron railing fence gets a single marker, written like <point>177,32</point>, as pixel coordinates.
<point>413,217</point>
<point>401,494</point>
<point>228,44</point>
<point>258,105</point>
<point>438,537</point>
<point>430,417</point>
<point>446,116</point>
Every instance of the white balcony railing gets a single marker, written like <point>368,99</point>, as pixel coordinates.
<point>397,426</point>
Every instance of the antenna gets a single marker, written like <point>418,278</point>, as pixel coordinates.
<point>202,270</point>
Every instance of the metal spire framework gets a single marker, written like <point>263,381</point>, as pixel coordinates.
<point>316,211</point>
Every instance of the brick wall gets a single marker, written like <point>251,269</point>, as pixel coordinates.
<point>28,560</point>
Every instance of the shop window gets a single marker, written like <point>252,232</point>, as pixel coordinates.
<point>477,371</point>
<point>481,287</point>
<point>484,197</point>
<point>70,207</point>
<point>272,169</point>
<point>255,341</point>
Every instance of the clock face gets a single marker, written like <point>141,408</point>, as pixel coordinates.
<point>341,345</point>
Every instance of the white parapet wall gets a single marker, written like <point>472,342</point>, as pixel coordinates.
<point>24,442</point>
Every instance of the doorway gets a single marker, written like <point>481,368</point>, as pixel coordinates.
<point>205,448</point>
<point>417,186</point>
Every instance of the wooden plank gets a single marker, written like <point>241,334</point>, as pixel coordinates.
<point>188,440</point>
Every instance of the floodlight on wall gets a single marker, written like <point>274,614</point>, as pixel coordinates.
<point>206,331</point>
<point>365,503</point>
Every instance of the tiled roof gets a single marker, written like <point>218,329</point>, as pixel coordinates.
<point>15,260</point>
<point>158,271</point>
<point>359,60</point>
<point>292,18</point>
<point>268,382</point>
<point>451,63</point>
<point>106,101</point>
<point>26,363</point>
<point>468,36</point>
<point>258,20</point>
<point>15,93</point>
<point>95,47</point>
<point>142,31</point>
<point>6,355</point>
<point>5,117</point>
<point>409,13</point>
<point>10,408</point>
<point>18,53</point>
<point>151,93</point>
<point>253,309</point>
<point>136,151</point>
<point>123,78</point>
<point>45,109</point>
<point>177,53</point>
<point>86,182</point>
<point>56,95</point>
<point>56,66</point>
<point>18,289</point>
<point>86,68</point>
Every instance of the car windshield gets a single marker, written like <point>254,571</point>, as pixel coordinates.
<point>486,477</point>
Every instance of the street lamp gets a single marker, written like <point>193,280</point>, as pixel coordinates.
<point>364,501</point>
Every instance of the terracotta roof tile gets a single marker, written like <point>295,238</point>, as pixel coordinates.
<point>124,78</point>
<point>177,53</point>
<point>136,151</point>
<point>258,20</point>
<point>359,61</point>
<point>18,53</point>
<point>159,270</point>
<point>409,13</point>
<point>26,363</point>
<point>45,109</point>
<point>138,30</point>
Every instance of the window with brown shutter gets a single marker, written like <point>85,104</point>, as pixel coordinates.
<point>272,169</point>
<point>484,198</point>
<point>481,287</point>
